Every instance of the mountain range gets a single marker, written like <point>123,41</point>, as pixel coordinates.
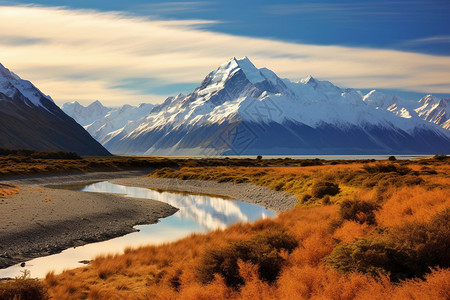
<point>85,115</point>
<point>101,121</point>
<point>240,109</point>
<point>29,119</point>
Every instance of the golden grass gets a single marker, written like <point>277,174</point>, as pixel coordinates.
<point>22,165</point>
<point>413,204</point>
<point>352,178</point>
<point>23,288</point>
<point>171,271</point>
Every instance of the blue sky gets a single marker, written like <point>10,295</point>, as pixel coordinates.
<point>420,27</point>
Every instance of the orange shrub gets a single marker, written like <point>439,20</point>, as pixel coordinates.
<point>412,204</point>
<point>169,271</point>
<point>351,230</point>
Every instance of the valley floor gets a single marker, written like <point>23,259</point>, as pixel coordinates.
<point>360,230</point>
<point>40,219</point>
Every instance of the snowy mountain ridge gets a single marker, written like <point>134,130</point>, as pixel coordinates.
<point>85,115</point>
<point>117,118</point>
<point>13,86</point>
<point>100,121</point>
<point>435,110</point>
<point>303,115</point>
<point>31,120</point>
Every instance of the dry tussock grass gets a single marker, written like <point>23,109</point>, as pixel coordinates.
<point>413,204</point>
<point>171,271</point>
<point>366,181</point>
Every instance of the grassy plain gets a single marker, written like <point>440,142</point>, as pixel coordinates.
<point>32,162</point>
<point>361,230</point>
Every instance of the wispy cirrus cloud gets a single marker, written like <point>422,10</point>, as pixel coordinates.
<point>438,44</point>
<point>86,55</point>
<point>345,11</point>
<point>164,8</point>
<point>443,39</point>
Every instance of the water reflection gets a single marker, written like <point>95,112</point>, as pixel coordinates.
<point>197,213</point>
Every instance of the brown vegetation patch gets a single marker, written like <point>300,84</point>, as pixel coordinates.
<point>8,189</point>
<point>24,288</point>
<point>383,235</point>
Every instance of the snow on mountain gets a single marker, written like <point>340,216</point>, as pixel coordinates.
<point>240,109</point>
<point>435,110</point>
<point>13,86</point>
<point>428,108</point>
<point>115,119</point>
<point>85,115</point>
<point>31,120</point>
<point>380,100</point>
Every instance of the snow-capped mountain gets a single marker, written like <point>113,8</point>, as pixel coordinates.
<point>429,108</point>
<point>435,110</point>
<point>116,119</point>
<point>85,115</point>
<point>100,121</point>
<point>30,119</point>
<point>239,109</point>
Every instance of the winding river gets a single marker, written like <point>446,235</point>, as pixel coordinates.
<point>197,214</point>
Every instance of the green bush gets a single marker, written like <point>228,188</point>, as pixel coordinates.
<point>387,168</point>
<point>441,157</point>
<point>429,241</point>
<point>305,198</point>
<point>311,162</point>
<point>262,251</point>
<point>427,171</point>
<point>405,252</point>
<point>322,188</point>
<point>360,211</point>
<point>373,257</point>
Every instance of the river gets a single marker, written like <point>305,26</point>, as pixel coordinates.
<point>196,214</point>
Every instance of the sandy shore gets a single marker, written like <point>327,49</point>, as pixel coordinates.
<point>41,220</point>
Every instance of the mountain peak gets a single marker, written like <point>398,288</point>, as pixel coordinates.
<point>381,100</point>
<point>71,105</point>
<point>96,103</point>
<point>31,120</point>
<point>7,74</point>
<point>241,109</point>
<point>429,99</point>
<point>252,73</point>
<point>244,64</point>
<point>309,80</point>
<point>11,85</point>
<point>85,115</point>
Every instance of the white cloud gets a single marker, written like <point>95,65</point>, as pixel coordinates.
<point>427,40</point>
<point>85,55</point>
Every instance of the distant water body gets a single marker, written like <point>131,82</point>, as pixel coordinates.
<point>324,157</point>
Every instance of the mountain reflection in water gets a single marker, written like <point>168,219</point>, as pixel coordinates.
<point>197,213</point>
<point>209,212</point>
